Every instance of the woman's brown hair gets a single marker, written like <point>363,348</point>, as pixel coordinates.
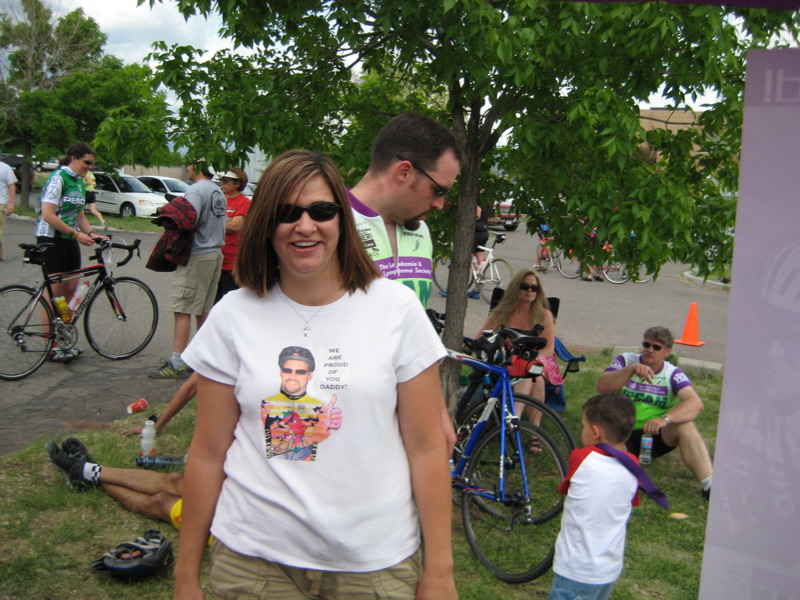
<point>257,262</point>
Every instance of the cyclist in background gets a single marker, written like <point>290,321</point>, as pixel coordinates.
<point>543,256</point>
<point>90,183</point>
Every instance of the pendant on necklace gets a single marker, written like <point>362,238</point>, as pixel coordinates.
<point>306,329</point>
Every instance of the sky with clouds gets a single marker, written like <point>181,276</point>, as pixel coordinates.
<point>132,29</point>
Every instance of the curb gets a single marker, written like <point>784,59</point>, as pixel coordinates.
<point>692,365</point>
<point>694,279</point>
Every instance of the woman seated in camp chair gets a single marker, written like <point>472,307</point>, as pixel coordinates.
<point>523,305</point>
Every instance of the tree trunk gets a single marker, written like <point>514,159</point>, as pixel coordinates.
<point>456,307</point>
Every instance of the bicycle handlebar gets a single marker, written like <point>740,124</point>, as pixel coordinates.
<point>129,248</point>
<point>33,252</point>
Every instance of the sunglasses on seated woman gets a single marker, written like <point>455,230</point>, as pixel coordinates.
<point>529,286</point>
<point>318,211</point>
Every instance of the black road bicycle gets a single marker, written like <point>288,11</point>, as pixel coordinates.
<point>121,313</point>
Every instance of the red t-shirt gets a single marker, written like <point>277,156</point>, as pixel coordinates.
<point>237,206</point>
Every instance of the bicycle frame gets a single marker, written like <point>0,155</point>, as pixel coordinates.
<point>102,275</point>
<point>98,269</point>
<point>502,392</point>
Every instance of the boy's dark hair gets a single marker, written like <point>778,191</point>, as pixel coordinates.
<point>612,411</point>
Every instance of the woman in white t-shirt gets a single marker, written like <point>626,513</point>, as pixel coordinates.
<point>318,453</point>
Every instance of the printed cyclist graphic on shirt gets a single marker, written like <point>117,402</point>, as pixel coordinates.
<point>294,422</point>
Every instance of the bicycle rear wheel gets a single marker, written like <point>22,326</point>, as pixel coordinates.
<point>568,265</point>
<point>496,275</point>
<point>616,272</point>
<point>121,318</point>
<point>551,422</point>
<point>514,538</point>
<point>644,275</point>
<point>26,332</point>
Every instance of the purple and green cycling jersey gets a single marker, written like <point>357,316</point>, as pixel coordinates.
<point>655,398</point>
<point>412,266</point>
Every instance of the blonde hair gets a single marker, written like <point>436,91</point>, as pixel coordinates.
<point>257,262</point>
<point>508,304</point>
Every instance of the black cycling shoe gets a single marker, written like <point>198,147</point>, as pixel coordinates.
<point>74,448</point>
<point>70,466</point>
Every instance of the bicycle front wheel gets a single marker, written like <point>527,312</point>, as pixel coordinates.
<point>616,273</point>
<point>26,331</point>
<point>121,318</point>
<point>441,272</point>
<point>496,275</point>
<point>568,265</point>
<point>514,537</point>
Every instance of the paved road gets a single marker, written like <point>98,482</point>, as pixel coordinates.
<point>58,398</point>
<point>596,315</point>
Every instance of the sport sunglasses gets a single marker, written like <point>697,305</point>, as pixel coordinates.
<point>655,347</point>
<point>318,211</point>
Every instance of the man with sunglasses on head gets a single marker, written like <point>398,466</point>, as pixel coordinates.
<point>194,286</point>
<point>666,403</point>
<point>413,165</point>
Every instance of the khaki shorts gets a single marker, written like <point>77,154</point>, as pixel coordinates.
<point>194,286</point>
<point>240,577</point>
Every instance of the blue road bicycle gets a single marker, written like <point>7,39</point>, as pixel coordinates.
<point>508,471</point>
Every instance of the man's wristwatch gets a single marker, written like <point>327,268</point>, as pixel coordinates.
<point>666,418</point>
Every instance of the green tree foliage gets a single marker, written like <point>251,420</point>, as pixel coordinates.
<point>544,93</point>
<point>58,88</point>
<point>39,53</point>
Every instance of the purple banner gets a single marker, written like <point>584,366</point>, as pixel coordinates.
<point>752,548</point>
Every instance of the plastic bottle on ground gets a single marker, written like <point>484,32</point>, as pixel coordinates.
<point>646,449</point>
<point>148,444</point>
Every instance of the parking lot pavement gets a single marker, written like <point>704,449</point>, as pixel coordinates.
<point>59,398</point>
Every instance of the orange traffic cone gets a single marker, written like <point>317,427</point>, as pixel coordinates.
<point>690,335</point>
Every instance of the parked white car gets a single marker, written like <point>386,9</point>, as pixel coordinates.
<point>164,185</point>
<point>126,196</point>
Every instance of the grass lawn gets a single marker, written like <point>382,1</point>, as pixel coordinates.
<point>50,535</point>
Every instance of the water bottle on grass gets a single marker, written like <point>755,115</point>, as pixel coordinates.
<point>646,449</point>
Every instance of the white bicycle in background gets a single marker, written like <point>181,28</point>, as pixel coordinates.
<point>492,273</point>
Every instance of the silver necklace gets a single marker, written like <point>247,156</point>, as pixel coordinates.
<point>306,327</point>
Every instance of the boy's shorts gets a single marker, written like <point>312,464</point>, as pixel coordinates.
<point>194,287</point>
